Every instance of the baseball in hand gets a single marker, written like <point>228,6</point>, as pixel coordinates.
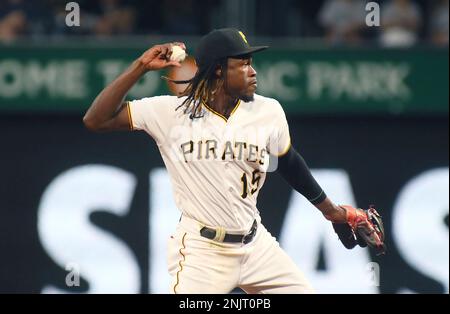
<point>178,54</point>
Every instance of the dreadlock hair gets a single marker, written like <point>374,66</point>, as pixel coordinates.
<point>200,88</point>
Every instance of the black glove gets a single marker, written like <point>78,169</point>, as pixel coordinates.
<point>363,227</point>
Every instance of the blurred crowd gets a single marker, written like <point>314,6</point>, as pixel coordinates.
<point>339,22</point>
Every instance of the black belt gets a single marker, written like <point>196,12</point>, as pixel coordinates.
<point>234,238</point>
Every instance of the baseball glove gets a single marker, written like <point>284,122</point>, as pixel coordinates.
<point>363,227</point>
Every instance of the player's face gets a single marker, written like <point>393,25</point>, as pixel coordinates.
<point>241,78</point>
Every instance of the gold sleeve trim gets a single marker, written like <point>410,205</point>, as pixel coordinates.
<point>285,150</point>
<point>130,119</point>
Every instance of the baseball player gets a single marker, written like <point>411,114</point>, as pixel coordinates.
<point>218,140</point>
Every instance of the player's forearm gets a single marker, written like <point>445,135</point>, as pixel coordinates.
<point>331,211</point>
<point>295,171</point>
<point>110,100</point>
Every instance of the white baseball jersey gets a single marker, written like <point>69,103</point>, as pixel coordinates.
<point>217,166</point>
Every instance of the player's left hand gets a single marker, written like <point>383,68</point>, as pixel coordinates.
<point>363,227</point>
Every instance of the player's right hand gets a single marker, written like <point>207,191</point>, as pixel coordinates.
<point>158,57</point>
